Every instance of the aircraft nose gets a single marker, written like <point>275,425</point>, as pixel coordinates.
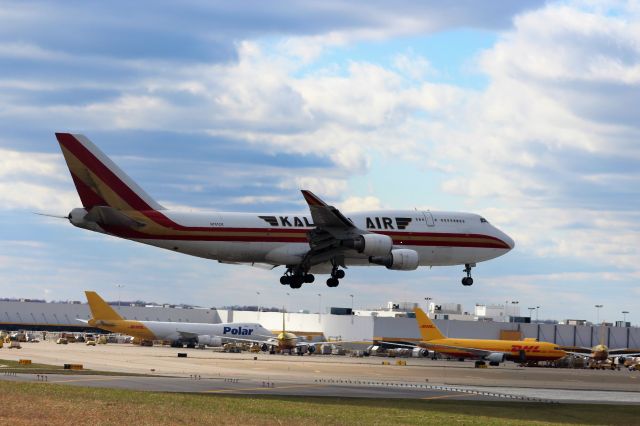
<point>509,241</point>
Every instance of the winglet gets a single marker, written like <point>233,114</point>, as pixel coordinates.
<point>100,310</point>
<point>324,215</point>
<point>312,199</point>
<point>428,329</point>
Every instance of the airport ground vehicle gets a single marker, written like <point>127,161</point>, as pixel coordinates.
<point>326,241</point>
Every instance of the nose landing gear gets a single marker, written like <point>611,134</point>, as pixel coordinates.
<point>467,281</point>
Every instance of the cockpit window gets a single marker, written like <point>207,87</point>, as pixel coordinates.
<point>483,220</point>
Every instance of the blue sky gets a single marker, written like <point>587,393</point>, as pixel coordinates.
<point>525,112</point>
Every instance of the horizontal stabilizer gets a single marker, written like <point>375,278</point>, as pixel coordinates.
<point>108,216</point>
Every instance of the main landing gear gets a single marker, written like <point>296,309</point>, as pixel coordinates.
<point>296,279</point>
<point>336,275</point>
<point>296,276</point>
<point>466,281</point>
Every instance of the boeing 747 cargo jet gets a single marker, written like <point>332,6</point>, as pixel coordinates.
<point>323,241</point>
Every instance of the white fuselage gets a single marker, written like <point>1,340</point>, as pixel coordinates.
<point>439,238</point>
<point>171,331</point>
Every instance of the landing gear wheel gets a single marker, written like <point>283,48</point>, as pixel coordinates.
<point>332,282</point>
<point>466,281</point>
<point>284,280</point>
<point>339,274</point>
<point>296,281</point>
<point>309,278</point>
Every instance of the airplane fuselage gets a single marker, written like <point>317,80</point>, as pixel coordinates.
<point>533,351</point>
<point>172,331</point>
<point>440,238</point>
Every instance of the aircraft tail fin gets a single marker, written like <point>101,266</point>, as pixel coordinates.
<point>100,310</point>
<point>428,330</point>
<point>98,180</point>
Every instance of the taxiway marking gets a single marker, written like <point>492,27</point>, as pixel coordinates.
<point>88,379</point>
<point>263,388</point>
<point>445,396</point>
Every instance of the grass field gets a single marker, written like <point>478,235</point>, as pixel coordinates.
<point>43,403</point>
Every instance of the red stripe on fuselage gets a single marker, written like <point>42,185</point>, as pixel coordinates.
<point>275,235</point>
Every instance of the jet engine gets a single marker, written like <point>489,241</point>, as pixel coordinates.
<point>421,353</point>
<point>398,259</point>
<point>213,341</point>
<point>370,244</point>
<point>495,358</point>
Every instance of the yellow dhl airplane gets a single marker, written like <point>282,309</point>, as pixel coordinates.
<point>493,351</point>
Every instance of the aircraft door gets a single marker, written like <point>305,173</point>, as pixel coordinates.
<point>428,218</point>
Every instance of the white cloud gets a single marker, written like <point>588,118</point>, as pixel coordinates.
<point>356,204</point>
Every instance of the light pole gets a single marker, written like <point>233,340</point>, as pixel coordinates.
<point>537,309</point>
<point>530,313</point>
<point>624,317</point>
<point>598,313</point>
<point>119,287</point>
<point>258,293</point>
<point>351,296</point>
<point>426,302</point>
<point>319,304</point>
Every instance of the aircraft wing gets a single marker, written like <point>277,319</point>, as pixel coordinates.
<point>475,351</point>
<point>324,215</point>
<point>405,345</point>
<point>621,352</point>
<point>480,353</point>
<point>187,334</point>
<point>332,228</point>
<point>190,335</point>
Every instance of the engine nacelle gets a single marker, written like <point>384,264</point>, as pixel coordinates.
<point>311,349</point>
<point>496,358</point>
<point>370,244</point>
<point>421,353</point>
<point>398,259</point>
<point>213,341</point>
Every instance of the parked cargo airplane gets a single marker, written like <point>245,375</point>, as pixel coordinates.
<point>323,241</point>
<point>494,351</point>
<point>106,318</point>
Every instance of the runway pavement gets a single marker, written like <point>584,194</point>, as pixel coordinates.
<point>252,387</point>
<point>215,372</point>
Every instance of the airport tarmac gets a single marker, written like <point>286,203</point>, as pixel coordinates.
<point>326,375</point>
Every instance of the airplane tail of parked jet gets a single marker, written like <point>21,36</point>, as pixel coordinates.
<point>101,310</point>
<point>98,180</point>
<point>428,330</point>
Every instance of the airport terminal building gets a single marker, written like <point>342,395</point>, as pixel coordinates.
<point>394,323</point>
